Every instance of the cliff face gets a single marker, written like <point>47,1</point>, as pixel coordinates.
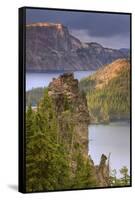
<point>73,115</point>
<point>102,172</point>
<point>71,108</point>
<point>51,47</point>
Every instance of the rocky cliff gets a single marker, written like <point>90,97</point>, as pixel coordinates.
<point>50,46</point>
<point>71,108</point>
<point>73,118</point>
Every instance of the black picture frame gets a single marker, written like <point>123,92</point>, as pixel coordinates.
<point>22,96</point>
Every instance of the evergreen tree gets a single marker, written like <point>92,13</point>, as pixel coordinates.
<point>84,176</point>
<point>47,166</point>
<point>125,180</point>
<point>29,122</point>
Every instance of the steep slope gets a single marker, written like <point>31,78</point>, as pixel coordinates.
<point>108,92</point>
<point>50,46</point>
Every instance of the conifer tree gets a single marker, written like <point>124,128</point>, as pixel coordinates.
<point>29,122</point>
<point>125,180</point>
<point>84,176</point>
<point>47,166</point>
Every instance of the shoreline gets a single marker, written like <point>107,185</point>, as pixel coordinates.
<point>112,121</point>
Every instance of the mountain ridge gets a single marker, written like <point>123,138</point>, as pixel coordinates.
<point>50,46</point>
<point>110,71</point>
<point>108,92</point>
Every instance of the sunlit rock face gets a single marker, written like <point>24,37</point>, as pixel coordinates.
<point>50,46</point>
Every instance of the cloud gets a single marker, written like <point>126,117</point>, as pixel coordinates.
<point>82,34</point>
<point>116,41</point>
<point>88,25</point>
<point>104,25</point>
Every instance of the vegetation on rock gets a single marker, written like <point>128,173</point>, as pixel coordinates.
<point>56,149</point>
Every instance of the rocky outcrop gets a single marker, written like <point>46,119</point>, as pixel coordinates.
<point>71,108</point>
<point>102,172</point>
<point>50,46</point>
<point>72,114</point>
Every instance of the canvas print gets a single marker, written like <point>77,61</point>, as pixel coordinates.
<point>77,100</point>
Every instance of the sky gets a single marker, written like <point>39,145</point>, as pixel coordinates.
<point>110,30</point>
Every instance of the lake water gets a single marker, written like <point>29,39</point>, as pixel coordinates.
<point>113,138</point>
<point>34,80</point>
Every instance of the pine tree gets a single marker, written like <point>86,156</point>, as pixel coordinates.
<point>84,174</point>
<point>47,166</point>
<point>29,122</point>
<point>125,180</point>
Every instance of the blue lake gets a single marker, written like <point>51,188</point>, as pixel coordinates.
<point>113,138</point>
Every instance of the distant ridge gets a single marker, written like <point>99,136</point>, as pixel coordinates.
<point>50,46</point>
<point>108,92</point>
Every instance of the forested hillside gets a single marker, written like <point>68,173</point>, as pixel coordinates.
<point>33,96</point>
<point>108,92</point>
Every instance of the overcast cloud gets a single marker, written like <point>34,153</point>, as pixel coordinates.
<point>110,30</point>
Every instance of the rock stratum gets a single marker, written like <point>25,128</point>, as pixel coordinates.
<point>51,47</point>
